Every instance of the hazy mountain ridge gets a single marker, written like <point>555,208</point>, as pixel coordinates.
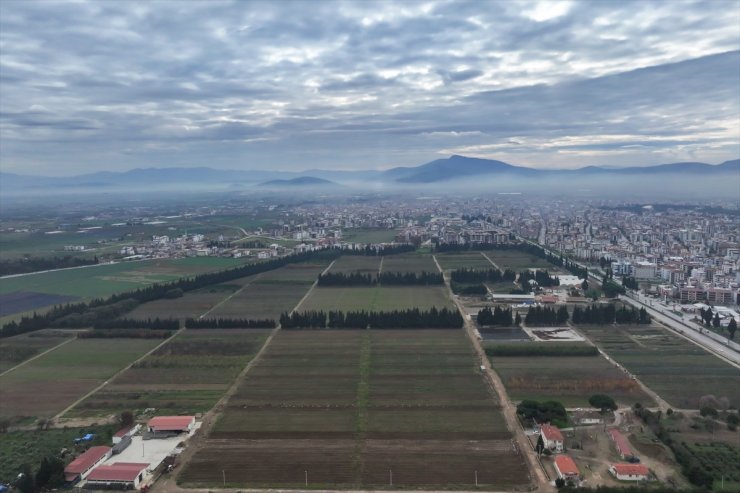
<point>440,170</point>
<point>301,181</point>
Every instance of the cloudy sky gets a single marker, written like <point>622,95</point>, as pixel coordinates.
<point>113,85</point>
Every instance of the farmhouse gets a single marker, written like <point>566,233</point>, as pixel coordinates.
<point>623,448</point>
<point>552,437</point>
<point>566,467</point>
<point>119,475</point>
<point>630,472</point>
<point>85,462</point>
<point>171,424</point>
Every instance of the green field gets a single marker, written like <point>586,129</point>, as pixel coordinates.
<point>107,279</point>
<point>185,376</point>
<point>409,262</point>
<point>568,379</point>
<point>46,385</point>
<point>30,447</point>
<point>518,261</point>
<point>356,263</point>
<point>460,260</point>
<point>379,298</point>
<point>679,371</point>
<point>338,408</point>
<point>15,350</point>
<point>368,235</point>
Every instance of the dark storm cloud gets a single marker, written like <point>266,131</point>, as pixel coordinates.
<point>302,84</point>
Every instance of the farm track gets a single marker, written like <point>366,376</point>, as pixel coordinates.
<point>169,483</point>
<point>56,418</point>
<point>491,261</point>
<point>231,295</point>
<point>507,408</point>
<point>37,356</point>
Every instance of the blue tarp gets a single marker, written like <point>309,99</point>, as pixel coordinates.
<point>88,437</point>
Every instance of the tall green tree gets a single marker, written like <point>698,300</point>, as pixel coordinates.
<point>732,328</point>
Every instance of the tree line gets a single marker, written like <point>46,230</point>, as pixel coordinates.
<point>377,250</point>
<point>608,314</point>
<point>86,314</point>
<point>497,316</point>
<point>27,264</point>
<point>384,278</point>
<point>486,275</point>
<point>397,319</point>
<point>544,315</point>
<point>541,277</point>
<point>125,334</point>
<point>229,323</point>
<point>131,323</point>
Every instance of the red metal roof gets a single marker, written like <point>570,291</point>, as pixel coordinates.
<point>550,432</point>
<point>122,432</point>
<point>120,471</point>
<point>170,423</point>
<point>621,442</point>
<point>86,460</point>
<point>566,465</point>
<point>631,469</point>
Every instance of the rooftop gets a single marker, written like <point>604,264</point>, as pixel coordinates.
<point>86,460</point>
<point>119,471</point>
<point>631,469</point>
<point>566,465</point>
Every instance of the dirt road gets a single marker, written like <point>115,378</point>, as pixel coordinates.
<point>507,408</point>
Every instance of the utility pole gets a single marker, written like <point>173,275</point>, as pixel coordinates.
<point>476,479</point>
<point>223,472</point>
<point>306,476</point>
<point>390,471</point>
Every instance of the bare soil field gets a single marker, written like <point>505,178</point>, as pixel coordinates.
<point>186,375</point>
<point>348,409</point>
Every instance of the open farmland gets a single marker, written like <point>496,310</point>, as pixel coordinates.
<point>382,298</point>
<point>106,279</point>
<point>356,263</point>
<point>568,379</point>
<point>518,261</point>
<point>677,370</point>
<point>409,262</point>
<point>24,301</point>
<point>17,349</point>
<point>191,304</point>
<point>185,376</point>
<point>340,409</point>
<point>463,260</point>
<point>46,385</point>
<point>271,293</point>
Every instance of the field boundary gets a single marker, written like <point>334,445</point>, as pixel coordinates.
<point>38,356</point>
<point>492,262</point>
<point>113,377</point>
<point>231,295</point>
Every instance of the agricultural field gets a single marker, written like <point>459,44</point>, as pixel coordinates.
<point>518,261</point>
<point>17,349</point>
<point>380,298</point>
<point>24,301</point>
<point>271,293</point>
<point>677,370</point>
<point>567,379</point>
<point>106,279</point>
<point>47,385</point>
<point>341,409</point>
<point>187,375</point>
<point>409,262</point>
<point>356,263</point>
<point>369,235</point>
<point>30,447</point>
<point>463,260</point>
<point>191,304</point>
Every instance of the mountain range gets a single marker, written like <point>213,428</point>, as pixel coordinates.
<point>453,168</point>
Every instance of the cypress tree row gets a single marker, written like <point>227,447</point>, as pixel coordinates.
<point>398,319</point>
<point>229,323</point>
<point>608,315</point>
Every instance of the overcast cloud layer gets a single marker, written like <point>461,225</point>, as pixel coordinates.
<point>113,85</point>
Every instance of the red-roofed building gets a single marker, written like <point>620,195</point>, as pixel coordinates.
<point>169,424</point>
<point>566,467</point>
<point>630,472</point>
<point>552,437</point>
<point>125,432</point>
<point>126,474</point>
<point>85,462</point>
<point>620,442</point>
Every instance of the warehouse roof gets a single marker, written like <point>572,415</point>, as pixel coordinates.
<point>170,423</point>
<point>119,471</point>
<point>85,461</point>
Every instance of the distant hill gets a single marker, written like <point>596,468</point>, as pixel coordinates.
<point>301,181</point>
<point>438,171</point>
